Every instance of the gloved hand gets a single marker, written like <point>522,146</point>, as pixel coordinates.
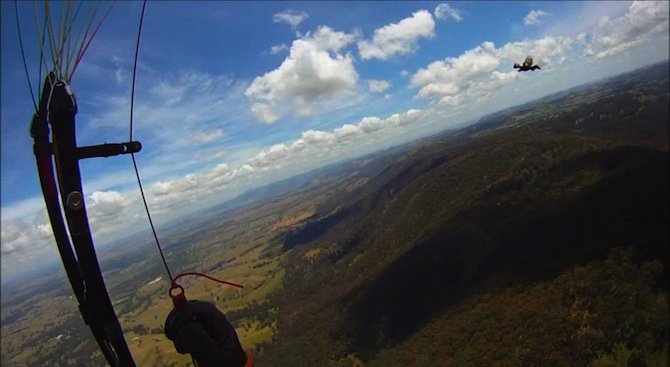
<point>204,332</point>
<point>188,337</point>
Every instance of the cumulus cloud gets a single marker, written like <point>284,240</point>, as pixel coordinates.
<point>312,146</point>
<point>378,86</point>
<point>111,210</point>
<point>398,38</point>
<point>482,89</point>
<point>22,208</point>
<point>207,136</point>
<point>25,239</point>
<point>450,76</point>
<point>19,236</point>
<point>472,75</point>
<point>191,188</point>
<point>314,70</point>
<point>534,17</point>
<point>29,236</point>
<point>643,21</point>
<point>290,17</point>
<point>318,145</point>
<point>444,11</point>
<point>545,51</point>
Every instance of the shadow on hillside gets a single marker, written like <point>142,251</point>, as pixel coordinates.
<point>515,236</point>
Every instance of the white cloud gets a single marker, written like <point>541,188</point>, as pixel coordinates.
<point>19,236</point>
<point>534,17</point>
<point>614,50</point>
<point>110,210</point>
<point>451,75</point>
<point>278,48</point>
<point>174,105</point>
<point>313,146</point>
<point>290,17</point>
<point>378,86</point>
<point>188,189</point>
<point>444,11</point>
<point>474,74</point>
<point>545,51</point>
<point>120,74</point>
<point>211,154</point>
<point>319,146</point>
<point>644,21</point>
<point>314,71</point>
<point>481,90</point>
<point>398,38</point>
<point>21,209</point>
<point>30,237</point>
<point>207,136</point>
<point>168,113</point>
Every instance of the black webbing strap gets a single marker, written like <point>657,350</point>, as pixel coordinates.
<point>81,264</point>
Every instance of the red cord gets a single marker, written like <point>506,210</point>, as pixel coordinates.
<point>175,285</point>
<point>179,300</point>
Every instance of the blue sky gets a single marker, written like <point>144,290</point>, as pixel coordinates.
<point>235,95</point>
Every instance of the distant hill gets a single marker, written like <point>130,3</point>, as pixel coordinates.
<point>292,183</point>
<point>561,99</point>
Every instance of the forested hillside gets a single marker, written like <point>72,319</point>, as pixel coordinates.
<point>539,237</point>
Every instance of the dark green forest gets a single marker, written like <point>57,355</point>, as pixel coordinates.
<point>536,237</point>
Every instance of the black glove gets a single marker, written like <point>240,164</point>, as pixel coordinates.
<point>204,332</point>
<point>188,337</point>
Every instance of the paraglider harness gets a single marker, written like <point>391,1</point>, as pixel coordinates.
<point>527,65</point>
<point>57,108</point>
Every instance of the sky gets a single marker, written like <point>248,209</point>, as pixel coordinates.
<point>234,95</point>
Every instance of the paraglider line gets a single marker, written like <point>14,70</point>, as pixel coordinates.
<point>97,28</point>
<point>23,54</point>
<point>39,75</point>
<point>137,52</point>
<point>173,281</point>
<point>132,155</point>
